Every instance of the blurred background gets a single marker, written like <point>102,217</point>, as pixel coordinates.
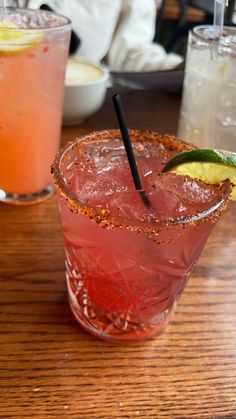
<point>176,17</point>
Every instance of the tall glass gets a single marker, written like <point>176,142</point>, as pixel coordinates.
<point>126,264</point>
<point>208,110</point>
<point>34,48</point>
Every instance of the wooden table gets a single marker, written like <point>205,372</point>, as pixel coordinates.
<point>50,368</point>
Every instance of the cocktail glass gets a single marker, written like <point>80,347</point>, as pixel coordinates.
<point>32,68</point>
<point>126,264</point>
<point>208,109</point>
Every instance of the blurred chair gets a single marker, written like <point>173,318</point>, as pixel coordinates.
<point>176,17</point>
<point>208,7</point>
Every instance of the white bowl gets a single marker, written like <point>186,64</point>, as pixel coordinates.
<point>85,90</point>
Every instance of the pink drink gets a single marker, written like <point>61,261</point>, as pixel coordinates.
<point>126,265</point>
<point>32,72</point>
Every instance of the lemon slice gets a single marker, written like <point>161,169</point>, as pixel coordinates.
<point>14,39</point>
<point>209,166</point>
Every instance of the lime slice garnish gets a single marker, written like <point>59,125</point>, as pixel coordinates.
<point>209,166</point>
<point>14,39</point>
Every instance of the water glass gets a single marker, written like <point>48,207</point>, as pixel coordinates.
<point>208,109</point>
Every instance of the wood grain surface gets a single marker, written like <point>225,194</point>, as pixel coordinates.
<point>51,368</point>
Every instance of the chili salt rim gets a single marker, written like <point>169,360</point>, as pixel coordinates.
<point>103,217</point>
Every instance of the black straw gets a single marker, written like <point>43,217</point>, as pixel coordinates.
<point>129,149</point>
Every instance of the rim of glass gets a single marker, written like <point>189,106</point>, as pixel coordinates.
<point>13,10</point>
<point>196,30</point>
<point>81,207</point>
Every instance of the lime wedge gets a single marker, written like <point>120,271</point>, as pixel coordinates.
<point>14,39</point>
<point>209,166</point>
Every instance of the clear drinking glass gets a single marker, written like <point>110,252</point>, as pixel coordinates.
<point>126,264</point>
<point>34,47</point>
<point>208,110</point>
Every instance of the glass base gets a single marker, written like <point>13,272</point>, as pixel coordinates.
<point>29,199</point>
<point>122,336</point>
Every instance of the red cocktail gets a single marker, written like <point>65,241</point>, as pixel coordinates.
<point>126,264</point>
